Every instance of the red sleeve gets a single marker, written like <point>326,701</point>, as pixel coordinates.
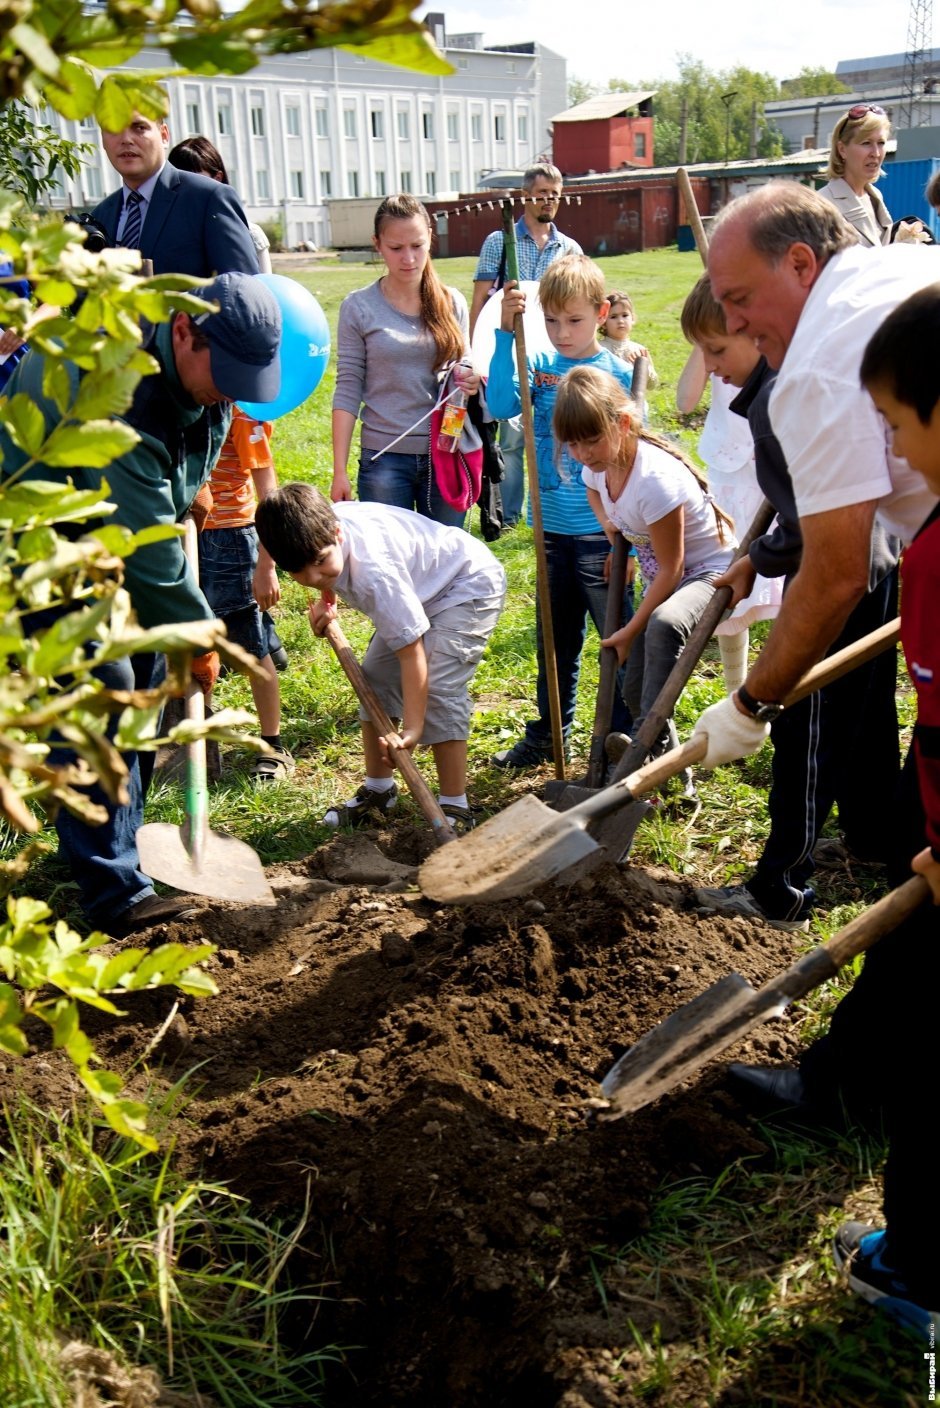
<point>920,601</point>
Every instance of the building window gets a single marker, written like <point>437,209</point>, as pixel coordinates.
<point>223,119</point>
<point>431,183</point>
<point>323,122</point>
<point>404,127</point>
<point>499,126</point>
<point>263,184</point>
<point>380,184</point>
<point>297,185</point>
<point>378,123</point>
<point>463,61</point>
<point>427,125</point>
<point>257,121</point>
<point>326,183</point>
<point>510,65</point>
<point>292,120</point>
<point>89,121</point>
<point>639,144</point>
<point>454,180</point>
<point>522,127</point>
<point>352,182</point>
<point>91,180</point>
<point>406,180</point>
<point>193,123</point>
<point>453,126</point>
<point>349,122</point>
<point>476,127</point>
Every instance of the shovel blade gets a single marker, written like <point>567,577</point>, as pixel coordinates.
<point>683,1043</point>
<point>511,854</point>
<point>228,869</point>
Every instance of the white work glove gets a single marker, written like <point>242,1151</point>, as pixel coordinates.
<point>731,734</point>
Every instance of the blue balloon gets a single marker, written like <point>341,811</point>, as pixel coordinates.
<point>305,348</point>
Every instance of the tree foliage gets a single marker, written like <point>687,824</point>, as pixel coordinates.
<point>32,154</point>
<point>715,128</point>
<point>87,310</point>
<point>812,83</point>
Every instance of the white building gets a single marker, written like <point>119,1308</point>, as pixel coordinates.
<point>300,129</point>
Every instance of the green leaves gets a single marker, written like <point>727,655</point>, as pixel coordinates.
<point>90,446</point>
<point>37,956</point>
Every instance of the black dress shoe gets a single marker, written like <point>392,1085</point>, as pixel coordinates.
<point>771,1090</point>
<point>146,914</point>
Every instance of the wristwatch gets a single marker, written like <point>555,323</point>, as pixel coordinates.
<point>764,711</point>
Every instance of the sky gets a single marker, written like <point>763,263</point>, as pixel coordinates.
<point>604,39</point>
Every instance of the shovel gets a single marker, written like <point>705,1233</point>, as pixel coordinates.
<point>419,789</point>
<point>616,834</point>
<point>529,843</point>
<point>687,1040</point>
<point>191,857</point>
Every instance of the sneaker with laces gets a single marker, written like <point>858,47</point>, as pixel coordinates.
<point>858,1250</point>
<point>523,755</point>
<point>367,806</point>
<point>738,902</point>
<point>462,819</point>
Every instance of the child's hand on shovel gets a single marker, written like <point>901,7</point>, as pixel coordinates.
<point>405,740</point>
<point>924,864</point>
<point>621,641</point>
<point>322,612</point>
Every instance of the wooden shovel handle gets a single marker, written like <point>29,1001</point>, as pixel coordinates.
<point>833,667</point>
<point>667,765</point>
<point>665,702</point>
<point>607,680</point>
<point>692,210</point>
<point>430,807</point>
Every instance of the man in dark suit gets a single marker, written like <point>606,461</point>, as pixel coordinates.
<point>184,223</point>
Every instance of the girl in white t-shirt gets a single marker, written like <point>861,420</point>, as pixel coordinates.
<point>640,485</point>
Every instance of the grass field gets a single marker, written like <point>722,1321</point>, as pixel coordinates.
<point>693,1255</point>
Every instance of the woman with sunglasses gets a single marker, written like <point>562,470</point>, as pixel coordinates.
<point>856,154</point>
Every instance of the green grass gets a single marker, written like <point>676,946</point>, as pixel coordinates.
<point>111,1247</point>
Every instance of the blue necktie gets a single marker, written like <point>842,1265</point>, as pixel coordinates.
<point>130,236</point>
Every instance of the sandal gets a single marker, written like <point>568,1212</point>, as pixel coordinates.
<point>273,767</point>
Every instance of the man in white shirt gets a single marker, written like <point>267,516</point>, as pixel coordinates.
<point>787,272</point>
<point>786,269</point>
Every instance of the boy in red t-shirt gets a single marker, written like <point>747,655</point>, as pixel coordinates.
<point>890,1014</point>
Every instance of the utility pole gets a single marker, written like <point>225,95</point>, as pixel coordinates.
<point>728,99</point>
<point>919,41</point>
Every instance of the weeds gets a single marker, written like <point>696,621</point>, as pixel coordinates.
<point>109,1246</point>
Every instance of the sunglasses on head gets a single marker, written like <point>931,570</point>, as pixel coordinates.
<point>861,109</point>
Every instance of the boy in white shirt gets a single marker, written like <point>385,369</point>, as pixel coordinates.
<point>433,594</point>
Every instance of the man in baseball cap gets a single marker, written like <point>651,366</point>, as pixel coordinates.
<point>242,339</point>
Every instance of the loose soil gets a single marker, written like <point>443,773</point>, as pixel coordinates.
<point>426,1071</point>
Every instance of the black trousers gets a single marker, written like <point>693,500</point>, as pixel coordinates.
<point>838,746</point>
<point>880,1058</point>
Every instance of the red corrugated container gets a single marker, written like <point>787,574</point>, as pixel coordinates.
<point>622,217</point>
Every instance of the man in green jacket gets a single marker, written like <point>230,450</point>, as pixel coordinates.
<point>182,416</point>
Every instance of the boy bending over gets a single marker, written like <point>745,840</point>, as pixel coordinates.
<point>432,593</point>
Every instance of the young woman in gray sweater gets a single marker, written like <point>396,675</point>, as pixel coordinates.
<point>395,338</point>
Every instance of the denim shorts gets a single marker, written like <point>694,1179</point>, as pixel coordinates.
<point>453,644</point>
<point>227,559</point>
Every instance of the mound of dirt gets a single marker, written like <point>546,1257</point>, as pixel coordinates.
<point>426,1071</point>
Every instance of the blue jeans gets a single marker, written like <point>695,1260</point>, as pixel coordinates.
<point>103,859</point>
<point>405,481</point>
<point>512,489</point>
<point>577,590</point>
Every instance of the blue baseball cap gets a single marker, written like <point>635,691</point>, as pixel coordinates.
<point>244,337</point>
